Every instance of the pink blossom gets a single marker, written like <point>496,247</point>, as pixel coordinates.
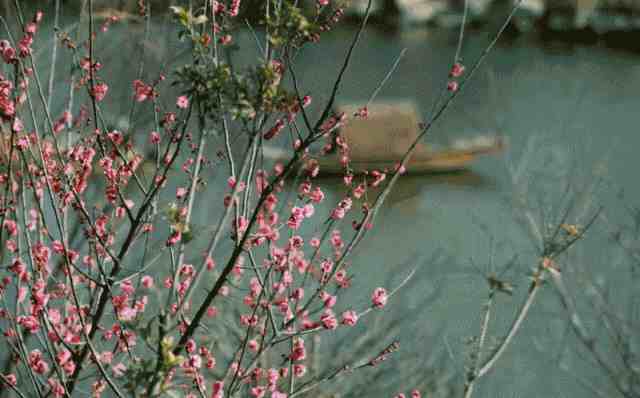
<point>99,91</point>
<point>329,320</point>
<point>456,70</point>
<point>336,239</point>
<point>329,300</point>
<point>119,369</point>
<point>29,322</point>
<point>400,168</point>
<point>275,130</point>
<point>57,389</point>
<point>174,238</point>
<point>210,263</point>
<point>195,361</point>
<point>295,220</point>
<point>127,314</point>
<point>23,144</point>
<point>182,102</point>
<point>37,363</point>
<point>349,318</point>
<point>240,225</point>
<point>11,227</point>
<point>299,370</point>
<point>217,389</point>
<point>7,107</point>
<point>362,113</point>
<point>69,367</point>
<point>142,91</point>
<point>341,277</point>
<point>19,268</point>
<point>378,177</point>
<point>298,294</point>
<point>11,379</point>
<point>154,137</point>
<point>190,346</point>
<point>147,281</point>
<point>235,8</point>
<point>62,122</point>
<point>273,376</point>
<point>317,195</point>
<point>11,245</point>
<point>379,297</point>
<point>299,352</point>
<point>24,46</point>
<point>17,126</point>
<point>253,345</point>
<point>168,119</point>
<point>168,282</point>
<point>106,357</point>
<point>337,214</point>
<point>120,212</point>
<point>225,40</point>
<point>308,210</point>
<point>326,266</point>
<point>359,191</point>
<point>8,53</point>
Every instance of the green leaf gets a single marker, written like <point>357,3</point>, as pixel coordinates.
<point>182,15</point>
<point>200,19</point>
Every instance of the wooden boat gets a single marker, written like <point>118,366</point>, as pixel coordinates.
<point>431,162</point>
<point>380,141</point>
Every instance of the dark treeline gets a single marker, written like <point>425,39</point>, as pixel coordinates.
<point>7,6</point>
<point>106,7</point>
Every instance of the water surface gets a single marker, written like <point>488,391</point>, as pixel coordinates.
<point>570,111</point>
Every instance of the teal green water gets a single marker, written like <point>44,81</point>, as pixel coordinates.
<point>570,116</point>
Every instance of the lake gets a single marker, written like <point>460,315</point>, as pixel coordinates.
<point>570,116</point>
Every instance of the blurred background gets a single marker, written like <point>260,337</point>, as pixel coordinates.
<point>614,21</point>
<point>561,86</point>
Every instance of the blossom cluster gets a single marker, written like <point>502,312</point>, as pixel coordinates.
<point>107,277</point>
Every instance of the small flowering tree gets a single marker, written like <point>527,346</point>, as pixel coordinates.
<point>108,286</point>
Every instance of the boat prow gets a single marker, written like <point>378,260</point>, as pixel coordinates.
<point>448,160</point>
